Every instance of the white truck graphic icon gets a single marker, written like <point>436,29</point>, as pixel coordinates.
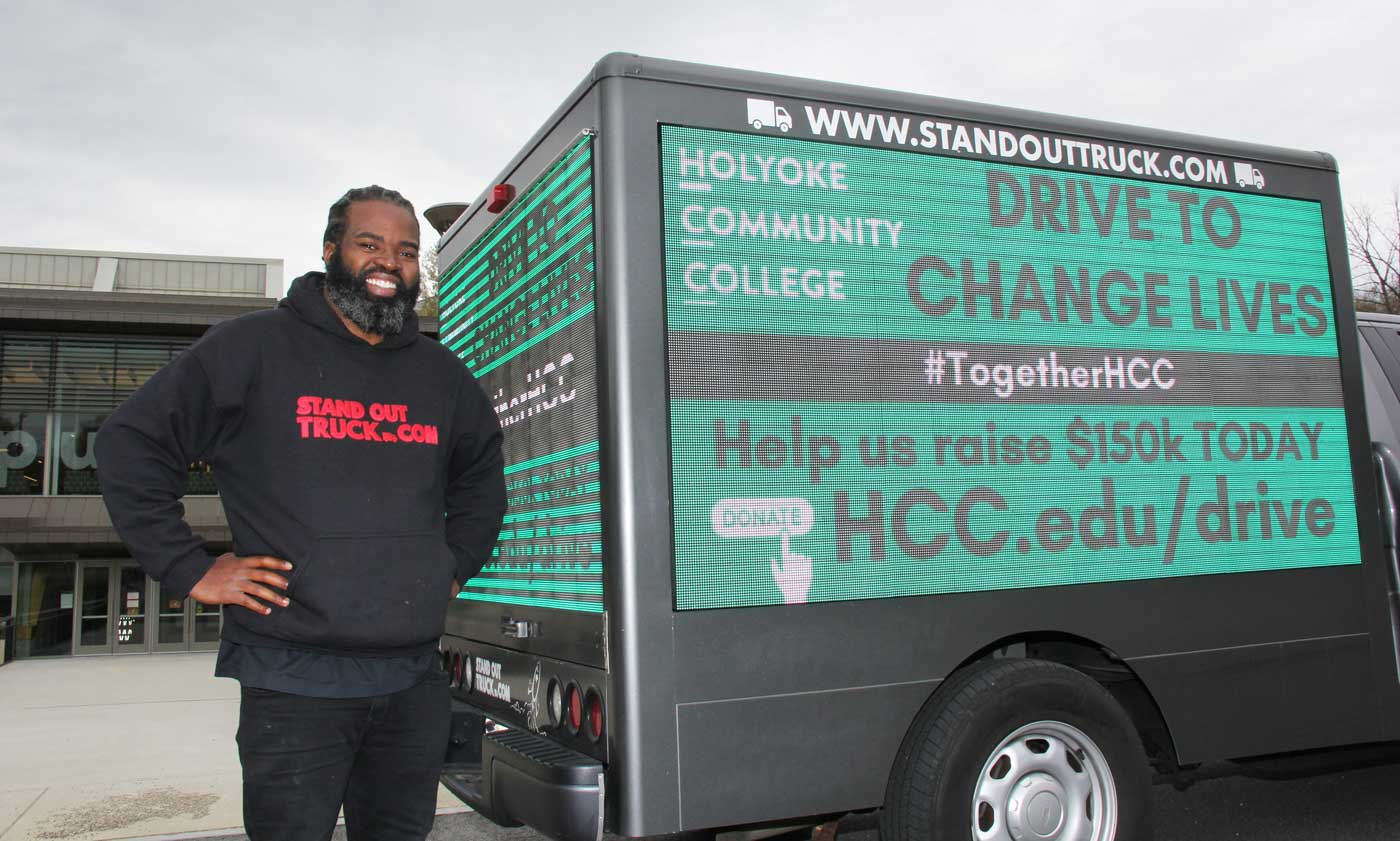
<point>762,112</point>
<point>1248,176</point>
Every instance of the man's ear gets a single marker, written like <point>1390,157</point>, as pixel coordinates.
<point>327,249</point>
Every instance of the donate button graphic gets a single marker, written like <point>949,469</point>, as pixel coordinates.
<point>784,517</point>
<point>762,517</point>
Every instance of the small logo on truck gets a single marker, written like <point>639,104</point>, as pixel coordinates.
<point>764,113</point>
<point>782,517</point>
<point>1247,176</point>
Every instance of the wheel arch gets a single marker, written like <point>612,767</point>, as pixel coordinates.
<point>1100,663</point>
<point>1065,693</point>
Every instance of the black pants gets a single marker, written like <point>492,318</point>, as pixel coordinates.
<point>380,756</point>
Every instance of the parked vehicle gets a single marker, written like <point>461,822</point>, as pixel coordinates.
<point>968,462</point>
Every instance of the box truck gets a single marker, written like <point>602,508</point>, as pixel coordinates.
<point>964,462</point>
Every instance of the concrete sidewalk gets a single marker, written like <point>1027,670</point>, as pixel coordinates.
<point>124,747</point>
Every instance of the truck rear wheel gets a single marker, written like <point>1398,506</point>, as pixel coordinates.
<point>1014,750</point>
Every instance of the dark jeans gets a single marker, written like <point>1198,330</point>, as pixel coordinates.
<point>380,756</point>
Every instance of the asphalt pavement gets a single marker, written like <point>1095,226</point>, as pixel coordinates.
<point>1357,805</point>
<point>141,747</point>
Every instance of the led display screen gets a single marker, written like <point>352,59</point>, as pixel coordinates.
<point>517,308</point>
<point>896,373</point>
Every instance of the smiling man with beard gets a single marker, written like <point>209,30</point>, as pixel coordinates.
<point>376,298</point>
<point>347,545</point>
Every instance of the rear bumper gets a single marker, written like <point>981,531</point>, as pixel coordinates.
<point>522,778</point>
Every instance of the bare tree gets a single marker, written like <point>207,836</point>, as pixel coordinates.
<point>1373,240</point>
<point>428,278</point>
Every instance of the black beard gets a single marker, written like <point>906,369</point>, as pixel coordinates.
<point>376,316</point>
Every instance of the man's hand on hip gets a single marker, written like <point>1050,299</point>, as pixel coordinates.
<point>243,581</point>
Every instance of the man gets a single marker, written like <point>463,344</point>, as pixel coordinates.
<point>360,468</point>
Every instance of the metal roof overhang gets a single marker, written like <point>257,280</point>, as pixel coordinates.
<point>30,308</point>
<point>31,520</point>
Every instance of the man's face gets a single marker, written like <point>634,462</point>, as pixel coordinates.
<point>372,273</point>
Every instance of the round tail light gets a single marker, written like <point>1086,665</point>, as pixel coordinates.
<point>573,708</point>
<point>554,697</point>
<point>593,708</point>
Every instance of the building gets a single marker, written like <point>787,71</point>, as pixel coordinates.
<point>79,331</point>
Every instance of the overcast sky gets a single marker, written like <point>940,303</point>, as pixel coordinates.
<point>228,128</point>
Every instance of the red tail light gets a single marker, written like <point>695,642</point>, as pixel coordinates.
<point>594,708</point>
<point>573,705</point>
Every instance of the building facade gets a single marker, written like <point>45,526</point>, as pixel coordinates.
<point>79,331</point>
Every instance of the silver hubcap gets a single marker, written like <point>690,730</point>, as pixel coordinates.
<point>1047,781</point>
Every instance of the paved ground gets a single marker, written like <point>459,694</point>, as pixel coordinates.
<point>1354,805</point>
<point>141,747</point>
<point>99,748</point>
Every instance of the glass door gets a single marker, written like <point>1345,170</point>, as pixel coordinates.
<point>130,608</point>
<point>44,609</point>
<point>112,609</point>
<point>94,608</point>
<point>208,620</point>
<point>184,624</point>
<point>107,607</point>
<point>172,620</point>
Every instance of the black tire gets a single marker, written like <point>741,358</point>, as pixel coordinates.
<point>1028,745</point>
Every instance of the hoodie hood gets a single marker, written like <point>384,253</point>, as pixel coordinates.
<point>306,301</point>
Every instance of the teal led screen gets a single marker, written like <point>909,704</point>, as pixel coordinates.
<point>517,308</point>
<point>895,373</point>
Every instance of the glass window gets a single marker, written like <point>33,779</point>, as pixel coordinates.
<point>23,442</point>
<point>207,618</point>
<point>26,364</point>
<point>137,361</point>
<point>6,595</point>
<point>172,617</point>
<point>96,374</point>
<point>77,462</point>
<point>83,373</point>
<point>44,609</point>
<point>201,480</point>
<point>1382,409</point>
<point>78,373</point>
<point>93,622</point>
<point>131,607</point>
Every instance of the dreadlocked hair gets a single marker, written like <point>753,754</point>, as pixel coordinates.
<point>335,220</point>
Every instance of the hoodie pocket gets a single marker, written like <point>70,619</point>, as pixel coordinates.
<point>366,593</point>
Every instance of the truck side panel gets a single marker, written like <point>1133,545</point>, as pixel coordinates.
<point>806,703</point>
<point>827,727</point>
<point>727,715</point>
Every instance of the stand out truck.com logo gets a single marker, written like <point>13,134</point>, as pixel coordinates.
<point>990,142</point>
<point>781,517</point>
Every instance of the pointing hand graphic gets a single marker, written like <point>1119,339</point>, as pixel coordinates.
<point>793,575</point>
<point>785,517</point>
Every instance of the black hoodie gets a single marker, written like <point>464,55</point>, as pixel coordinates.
<point>374,469</point>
